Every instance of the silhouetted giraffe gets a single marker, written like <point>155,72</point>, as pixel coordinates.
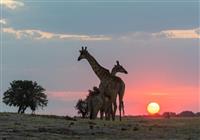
<point>104,76</point>
<point>102,73</point>
<point>109,85</point>
<point>119,68</point>
<point>95,102</point>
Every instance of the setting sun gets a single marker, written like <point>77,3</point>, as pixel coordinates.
<point>153,108</point>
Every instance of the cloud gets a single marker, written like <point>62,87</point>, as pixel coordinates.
<point>39,35</point>
<point>165,34</point>
<point>135,36</point>
<point>66,95</point>
<point>12,4</point>
<point>3,21</point>
<point>42,35</point>
<point>179,34</point>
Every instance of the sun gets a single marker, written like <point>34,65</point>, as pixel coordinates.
<point>153,108</point>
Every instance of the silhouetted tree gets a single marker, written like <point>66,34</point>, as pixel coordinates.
<point>169,114</point>
<point>24,94</point>
<point>198,114</point>
<point>186,114</point>
<point>81,106</point>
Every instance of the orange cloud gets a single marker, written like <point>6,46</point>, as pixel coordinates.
<point>172,34</point>
<point>39,35</point>
<point>180,34</point>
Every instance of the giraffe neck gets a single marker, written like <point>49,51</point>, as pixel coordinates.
<point>101,72</point>
<point>113,72</point>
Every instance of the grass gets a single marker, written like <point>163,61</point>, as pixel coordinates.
<point>33,127</point>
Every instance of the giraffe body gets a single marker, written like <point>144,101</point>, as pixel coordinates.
<point>95,102</point>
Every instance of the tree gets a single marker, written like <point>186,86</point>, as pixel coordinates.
<point>169,114</point>
<point>186,114</point>
<point>198,114</point>
<point>81,106</point>
<point>25,94</point>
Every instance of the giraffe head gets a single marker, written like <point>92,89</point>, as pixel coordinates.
<point>119,68</point>
<point>83,53</point>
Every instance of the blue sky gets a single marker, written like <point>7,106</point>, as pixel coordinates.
<point>105,18</point>
<point>41,39</point>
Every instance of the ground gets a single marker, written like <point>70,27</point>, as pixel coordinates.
<point>38,127</point>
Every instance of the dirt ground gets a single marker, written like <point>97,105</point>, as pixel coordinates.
<point>38,127</point>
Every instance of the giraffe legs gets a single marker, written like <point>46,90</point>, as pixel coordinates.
<point>120,113</point>
<point>108,112</point>
<point>121,109</point>
<point>121,103</point>
<point>101,114</point>
<point>114,110</point>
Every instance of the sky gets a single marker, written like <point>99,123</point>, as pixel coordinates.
<point>157,42</point>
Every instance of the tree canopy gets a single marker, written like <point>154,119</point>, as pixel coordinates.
<point>25,94</point>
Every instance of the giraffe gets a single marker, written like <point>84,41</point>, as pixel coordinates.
<point>102,73</point>
<point>119,68</point>
<point>109,85</point>
<point>116,69</point>
<point>95,102</point>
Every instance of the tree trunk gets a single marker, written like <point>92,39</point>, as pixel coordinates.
<point>19,110</point>
<point>24,108</point>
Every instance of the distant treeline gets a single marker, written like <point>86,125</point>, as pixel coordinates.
<point>171,114</point>
<point>182,114</point>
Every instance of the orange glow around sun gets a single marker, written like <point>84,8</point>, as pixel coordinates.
<point>153,108</point>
